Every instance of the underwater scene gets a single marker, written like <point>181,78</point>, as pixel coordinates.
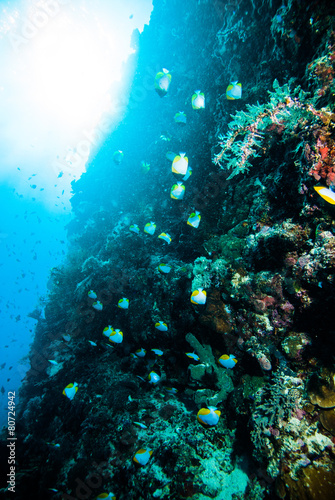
<point>168,250</point>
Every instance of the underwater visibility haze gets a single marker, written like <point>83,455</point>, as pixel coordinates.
<point>167,249</point>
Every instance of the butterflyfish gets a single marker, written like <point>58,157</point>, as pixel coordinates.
<point>162,82</point>
<point>199,296</point>
<point>106,496</point>
<point>161,326</point>
<point>180,118</point>
<point>123,303</point>
<point>134,229</point>
<point>140,353</point>
<point>150,228</point>
<point>118,157</point>
<point>154,378</point>
<point>158,352</point>
<point>164,268</point>
<point>142,456</point>
<point>194,219</point>
<point>97,305</point>
<point>208,416</point>
<point>234,91</point>
<point>227,361</point>
<point>166,237</point>
<point>116,336</point>
<point>198,100</point>
<point>326,193</point>
<point>177,191</point>
<point>108,331</point>
<point>180,164</point>
<point>70,390</point>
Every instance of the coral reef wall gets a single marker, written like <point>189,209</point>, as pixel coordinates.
<point>264,252</point>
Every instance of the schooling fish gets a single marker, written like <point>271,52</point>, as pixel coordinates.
<point>199,296</point>
<point>97,305</point>
<point>106,496</point>
<point>108,331</point>
<point>154,378</point>
<point>123,303</point>
<point>161,326</point>
<point>194,219</point>
<point>140,353</point>
<point>116,336</point>
<point>118,157</point>
<point>177,191</point>
<point>150,228</point>
<point>234,91</point>
<point>208,416</point>
<point>134,229</point>
<point>142,456</point>
<point>164,268</point>
<point>180,118</point>
<point>180,164</point>
<point>70,390</point>
<point>166,237</point>
<point>227,361</point>
<point>198,100</point>
<point>162,82</point>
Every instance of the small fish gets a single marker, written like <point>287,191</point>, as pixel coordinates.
<point>116,337</point>
<point>107,331</point>
<point>134,229</point>
<point>164,268</point>
<point>150,228</point>
<point>192,355</point>
<point>92,294</point>
<point>142,456</point>
<point>140,353</point>
<point>188,174</point>
<point>162,82</point>
<point>158,352</point>
<point>180,164</point>
<point>98,306</point>
<point>326,193</point>
<point>227,361</point>
<point>234,91</point>
<point>161,326</point>
<point>177,191</point>
<point>166,237</point>
<point>123,303</point>
<point>198,100</point>
<point>180,118</point>
<point>70,390</point>
<point>171,390</point>
<point>154,378</point>
<point>141,425</point>
<point>170,155</point>
<point>165,136</point>
<point>145,167</point>
<point>118,157</point>
<point>92,343</point>
<point>106,496</point>
<point>199,296</point>
<point>194,219</point>
<point>53,362</point>
<point>208,416</point>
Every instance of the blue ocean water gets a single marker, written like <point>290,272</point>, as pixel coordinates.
<point>38,161</point>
